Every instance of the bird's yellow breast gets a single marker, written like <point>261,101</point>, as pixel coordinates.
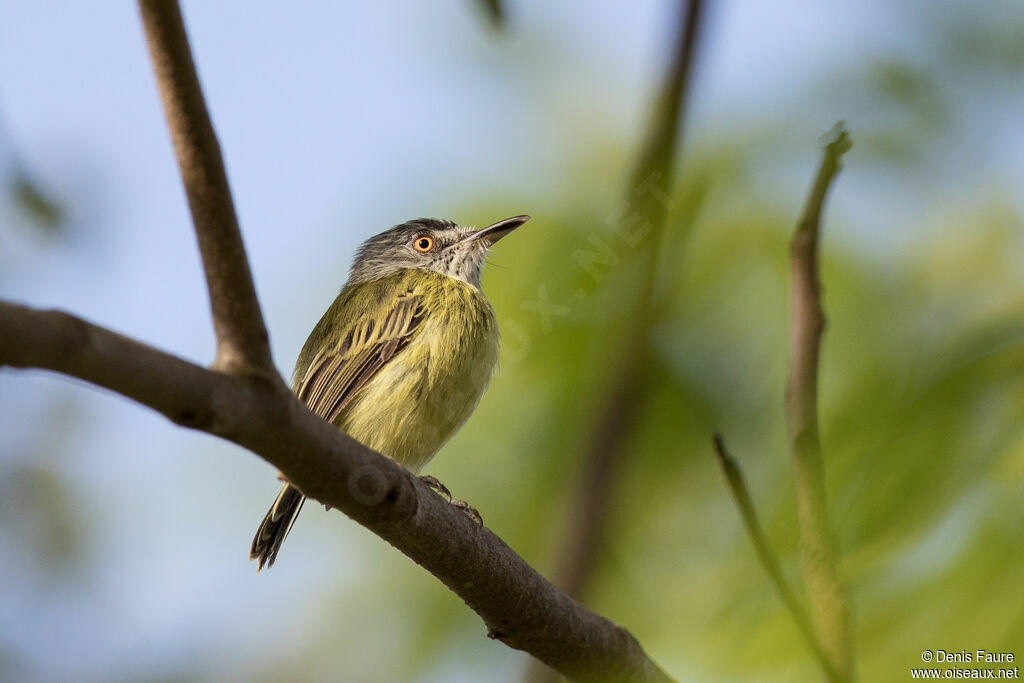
<point>425,393</point>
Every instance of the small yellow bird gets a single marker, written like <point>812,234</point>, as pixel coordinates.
<point>401,358</point>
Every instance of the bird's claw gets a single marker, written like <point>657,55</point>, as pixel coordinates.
<point>470,511</point>
<point>434,484</point>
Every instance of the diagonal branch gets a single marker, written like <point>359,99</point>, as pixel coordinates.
<point>519,606</point>
<point>242,342</point>
<point>741,494</point>
<point>828,602</point>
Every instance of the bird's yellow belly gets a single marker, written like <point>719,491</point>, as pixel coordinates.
<point>419,399</point>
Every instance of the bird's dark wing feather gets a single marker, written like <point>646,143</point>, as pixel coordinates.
<point>339,371</point>
<point>334,376</point>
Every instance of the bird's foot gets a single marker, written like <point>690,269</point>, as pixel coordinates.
<point>470,511</point>
<point>434,484</point>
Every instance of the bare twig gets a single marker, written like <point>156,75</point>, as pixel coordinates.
<point>647,204</point>
<point>828,603</point>
<point>519,607</point>
<point>242,342</point>
<point>741,494</point>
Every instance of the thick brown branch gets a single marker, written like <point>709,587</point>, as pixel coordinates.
<point>242,342</point>
<point>828,603</point>
<point>518,606</point>
<point>741,494</point>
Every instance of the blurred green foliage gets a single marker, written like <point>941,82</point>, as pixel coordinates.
<point>494,11</point>
<point>43,210</point>
<point>37,514</point>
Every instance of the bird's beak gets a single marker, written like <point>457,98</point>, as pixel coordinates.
<point>493,233</point>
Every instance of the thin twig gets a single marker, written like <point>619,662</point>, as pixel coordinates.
<point>647,204</point>
<point>828,603</point>
<point>741,494</point>
<point>242,342</point>
<point>519,606</point>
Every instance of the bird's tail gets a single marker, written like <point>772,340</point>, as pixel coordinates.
<point>275,526</point>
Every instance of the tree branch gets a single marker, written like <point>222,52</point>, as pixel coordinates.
<point>242,342</point>
<point>741,494</point>
<point>519,606</point>
<point>828,603</point>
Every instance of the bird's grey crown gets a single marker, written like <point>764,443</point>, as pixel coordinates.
<point>393,250</point>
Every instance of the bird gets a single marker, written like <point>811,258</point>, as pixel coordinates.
<point>401,358</point>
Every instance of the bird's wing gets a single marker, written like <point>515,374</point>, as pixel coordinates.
<point>340,370</point>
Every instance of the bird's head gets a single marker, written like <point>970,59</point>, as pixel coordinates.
<point>430,244</point>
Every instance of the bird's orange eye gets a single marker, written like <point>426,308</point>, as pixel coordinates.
<point>423,243</point>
